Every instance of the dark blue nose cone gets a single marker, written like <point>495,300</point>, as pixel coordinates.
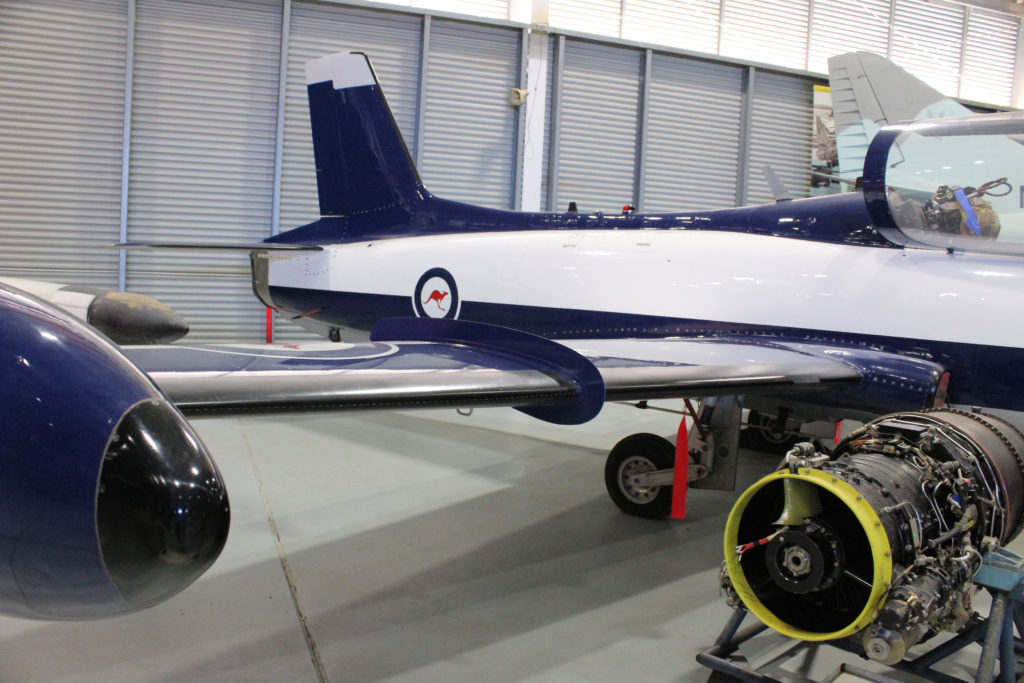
<point>162,509</point>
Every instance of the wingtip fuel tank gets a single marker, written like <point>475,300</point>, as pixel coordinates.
<point>120,505</point>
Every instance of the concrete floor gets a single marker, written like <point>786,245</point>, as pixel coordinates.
<point>424,547</point>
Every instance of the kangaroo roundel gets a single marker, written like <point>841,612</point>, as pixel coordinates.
<point>436,295</point>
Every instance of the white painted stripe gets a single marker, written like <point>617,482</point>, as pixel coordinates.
<point>75,303</point>
<point>702,275</point>
<point>344,69</point>
<point>43,290</point>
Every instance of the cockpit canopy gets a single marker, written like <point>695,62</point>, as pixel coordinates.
<point>952,183</point>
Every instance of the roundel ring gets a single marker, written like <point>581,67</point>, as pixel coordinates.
<point>436,295</point>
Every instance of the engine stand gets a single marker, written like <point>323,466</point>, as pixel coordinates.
<point>1001,573</point>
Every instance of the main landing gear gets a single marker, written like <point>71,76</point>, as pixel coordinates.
<point>638,474</point>
<point>647,476</point>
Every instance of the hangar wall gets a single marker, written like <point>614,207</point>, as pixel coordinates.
<point>187,120</point>
<point>962,49</point>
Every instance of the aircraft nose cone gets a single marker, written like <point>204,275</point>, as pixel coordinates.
<point>162,510</point>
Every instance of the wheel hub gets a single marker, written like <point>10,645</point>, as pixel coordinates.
<point>628,471</point>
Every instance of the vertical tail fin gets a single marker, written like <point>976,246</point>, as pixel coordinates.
<point>362,163</point>
<point>868,92</point>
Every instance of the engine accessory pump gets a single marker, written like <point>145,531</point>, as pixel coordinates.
<point>880,539</point>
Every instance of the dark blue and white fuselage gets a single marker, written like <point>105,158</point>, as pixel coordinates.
<point>823,270</point>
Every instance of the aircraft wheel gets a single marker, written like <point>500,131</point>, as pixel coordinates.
<point>634,455</point>
<point>334,334</point>
<point>761,436</point>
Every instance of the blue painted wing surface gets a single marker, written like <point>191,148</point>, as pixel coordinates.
<point>409,364</point>
<point>443,363</point>
<point>226,379</point>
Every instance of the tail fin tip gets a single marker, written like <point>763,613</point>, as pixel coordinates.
<point>343,69</point>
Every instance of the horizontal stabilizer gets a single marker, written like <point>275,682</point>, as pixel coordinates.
<point>214,246</point>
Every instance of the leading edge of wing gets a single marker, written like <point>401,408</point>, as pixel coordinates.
<point>672,368</point>
<point>872,381</point>
<point>409,363</point>
<point>445,363</point>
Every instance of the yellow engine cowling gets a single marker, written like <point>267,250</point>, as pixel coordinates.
<point>881,537</point>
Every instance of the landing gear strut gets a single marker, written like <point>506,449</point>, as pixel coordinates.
<point>767,433</point>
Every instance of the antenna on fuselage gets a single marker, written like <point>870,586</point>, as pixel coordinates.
<point>779,190</point>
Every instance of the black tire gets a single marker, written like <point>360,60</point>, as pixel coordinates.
<point>334,334</point>
<point>633,455</point>
<point>760,436</point>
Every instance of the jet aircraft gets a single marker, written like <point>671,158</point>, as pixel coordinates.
<point>753,301</point>
<point>823,307</point>
<point>756,292</point>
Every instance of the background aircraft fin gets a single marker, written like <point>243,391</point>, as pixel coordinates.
<point>869,92</point>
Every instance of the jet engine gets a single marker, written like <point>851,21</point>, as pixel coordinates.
<point>109,501</point>
<point>881,539</point>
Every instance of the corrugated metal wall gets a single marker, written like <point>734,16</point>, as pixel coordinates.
<point>204,112</point>
<point>773,31</point>
<point>840,26</point>
<point>988,66</point>
<point>62,74</point>
<point>598,126</point>
<point>693,140</point>
<point>802,34</point>
<point>780,135</point>
<point>204,130</point>
<point>601,17</point>
<point>666,22</point>
<point>468,152</point>
<point>926,41</point>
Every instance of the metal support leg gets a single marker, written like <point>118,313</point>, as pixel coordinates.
<point>1007,659</point>
<point>993,632</point>
<point>728,642</point>
<point>1001,573</point>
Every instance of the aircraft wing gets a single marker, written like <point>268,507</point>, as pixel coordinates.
<point>863,380</point>
<point>443,363</point>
